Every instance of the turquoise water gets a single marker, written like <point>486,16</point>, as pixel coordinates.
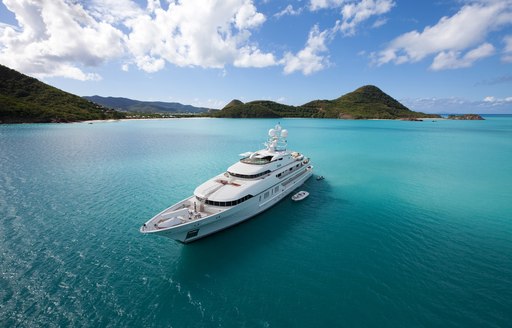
<point>412,227</point>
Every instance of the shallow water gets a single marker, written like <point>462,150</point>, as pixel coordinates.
<point>411,226</point>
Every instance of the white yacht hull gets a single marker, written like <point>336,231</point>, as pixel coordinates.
<point>225,217</point>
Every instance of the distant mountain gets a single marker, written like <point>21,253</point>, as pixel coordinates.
<point>24,99</point>
<point>130,105</point>
<point>367,102</point>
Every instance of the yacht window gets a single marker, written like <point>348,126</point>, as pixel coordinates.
<point>230,203</point>
<point>253,176</point>
<point>256,160</point>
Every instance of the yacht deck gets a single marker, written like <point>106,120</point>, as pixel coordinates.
<point>186,211</point>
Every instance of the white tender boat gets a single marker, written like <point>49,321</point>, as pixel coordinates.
<point>253,184</point>
<point>300,195</point>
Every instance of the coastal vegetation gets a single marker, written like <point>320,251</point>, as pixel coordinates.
<point>24,99</point>
<point>471,117</point>
<point>367,102</point>
<point>146,107</point>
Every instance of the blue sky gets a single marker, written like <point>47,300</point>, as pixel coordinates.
<point>435,56</point>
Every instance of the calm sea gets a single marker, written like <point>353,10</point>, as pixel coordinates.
<point>412,227</point>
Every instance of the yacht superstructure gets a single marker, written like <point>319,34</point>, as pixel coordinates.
<point>253,184</point>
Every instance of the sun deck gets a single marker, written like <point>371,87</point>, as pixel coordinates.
<point>184,212</point>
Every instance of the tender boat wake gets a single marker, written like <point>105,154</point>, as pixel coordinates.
<point>253,184</point>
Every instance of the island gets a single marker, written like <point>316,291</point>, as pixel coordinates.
<point>471,117</point>
<point>366,102</point>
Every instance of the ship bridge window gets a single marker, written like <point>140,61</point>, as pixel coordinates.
<point>230,203</point>
<point>245,176</point>
<point>256,160</point>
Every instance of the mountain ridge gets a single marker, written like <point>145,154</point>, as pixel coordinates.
<point>24,99</point>
<point>141,106</point>
<point>366,102</point>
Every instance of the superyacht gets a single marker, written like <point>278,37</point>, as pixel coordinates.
<point>253,184</point>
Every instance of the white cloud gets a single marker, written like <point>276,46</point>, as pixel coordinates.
<point>150,64</point>
<point>498,101</point>
<point>354,14</point>
<point>197,33</point>
<point>288,11</point>
<point>56,38</point>
<point>454,105</point>
<point>323,4</point>
<point>209,103</point>
<point>62,37</point>
<point>451,59</point>
<point>253,57</point>
<point>116,11</point>
<point>507,52</point>
<point>451,36</point>
<point>248,17</point>
<point>308,60</point>
<point>379,22</point>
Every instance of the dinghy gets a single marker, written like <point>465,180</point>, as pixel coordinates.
<point>300,195</point>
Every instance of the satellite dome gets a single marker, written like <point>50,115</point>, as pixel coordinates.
<point>272,132</point>
<point>284,133</point>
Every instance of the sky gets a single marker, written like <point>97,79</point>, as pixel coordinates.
<point>441,56</point>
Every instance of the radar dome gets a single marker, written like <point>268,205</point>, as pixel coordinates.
<point>284,133</point>
<point>272,132</point>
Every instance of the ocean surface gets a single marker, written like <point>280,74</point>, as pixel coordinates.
<point>412,226</point>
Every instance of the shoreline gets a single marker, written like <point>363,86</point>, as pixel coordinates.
<point>419,119</point>
<point>142,119</point>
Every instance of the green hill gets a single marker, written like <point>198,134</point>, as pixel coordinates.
<point>233,103</point>
<point>24,99</point>
<point>254,109</point>
<point>367,102</point>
